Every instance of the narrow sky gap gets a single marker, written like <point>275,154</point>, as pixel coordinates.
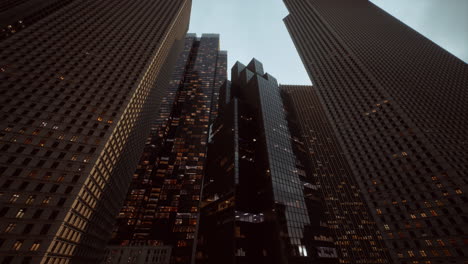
<point>255,29</point>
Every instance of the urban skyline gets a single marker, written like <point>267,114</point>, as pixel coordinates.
<point>125,140</point>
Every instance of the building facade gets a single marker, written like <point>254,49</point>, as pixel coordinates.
<point>15,15</point>
<point>353,229</point>
<point>399,103</point>
<point>138,254</point>
<point>259,202</point>
<point>78,91</point>
<point>162,204</point>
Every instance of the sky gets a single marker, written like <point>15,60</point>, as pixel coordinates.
<point>255,29</point>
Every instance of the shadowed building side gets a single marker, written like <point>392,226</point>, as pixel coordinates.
<point>399,104</point>
<point>162,205</point>
<point>78,91</point>
<point>353,229</point>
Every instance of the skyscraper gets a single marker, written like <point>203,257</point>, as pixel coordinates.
<point>353,229</point>
<point>162,203</point>
<point>78,91</point>
<point>259,204</point>
<point>399,103</point>
<point>15,15</point>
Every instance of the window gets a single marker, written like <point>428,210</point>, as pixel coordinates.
<point>35,246</point>
<point>10,227</point>
<point>28,228</point>
<point>14,197</point>
<point>30,199</point>
<point>46,200</point>
<point>17,245</point>
<point>20,213</point>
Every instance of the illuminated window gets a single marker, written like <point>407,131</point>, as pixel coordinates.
<point>20,213</point>
<point>30,199</point>
<point>440,242</point>
<point>10,228</point>
<point>14,197</point>
<point>181,243</point>
<point>17,245</point>
<point>46,200</point>
<point>35,246</point>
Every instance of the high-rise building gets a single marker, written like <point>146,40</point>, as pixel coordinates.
<point>162,204</point>
<point>259,202</point>
<point>15,15</point>
<point>353,229</point>
<point>78,91</point>
<point>399,103</point>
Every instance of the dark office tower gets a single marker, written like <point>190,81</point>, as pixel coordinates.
<point>258,204</point>
<point>15,15</point>
<point>78,89</point>
<point>163,201</point>
<point>354,231</point>
<point>399,103</point>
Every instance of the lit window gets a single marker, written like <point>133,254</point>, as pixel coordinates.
<point>35,246</point>
<point>17,245</point>
<point>10,228</point>
<point>14,197</point>
<point>30,199</point>
<point>46,200</point>
<point>20,213</point>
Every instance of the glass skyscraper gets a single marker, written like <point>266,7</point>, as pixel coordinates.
<point>259,204</point>
<point>399,103</point>
<point>78,91</point>
<point>162,204</point>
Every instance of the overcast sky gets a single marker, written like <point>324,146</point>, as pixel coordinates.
<point>254,28</point>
